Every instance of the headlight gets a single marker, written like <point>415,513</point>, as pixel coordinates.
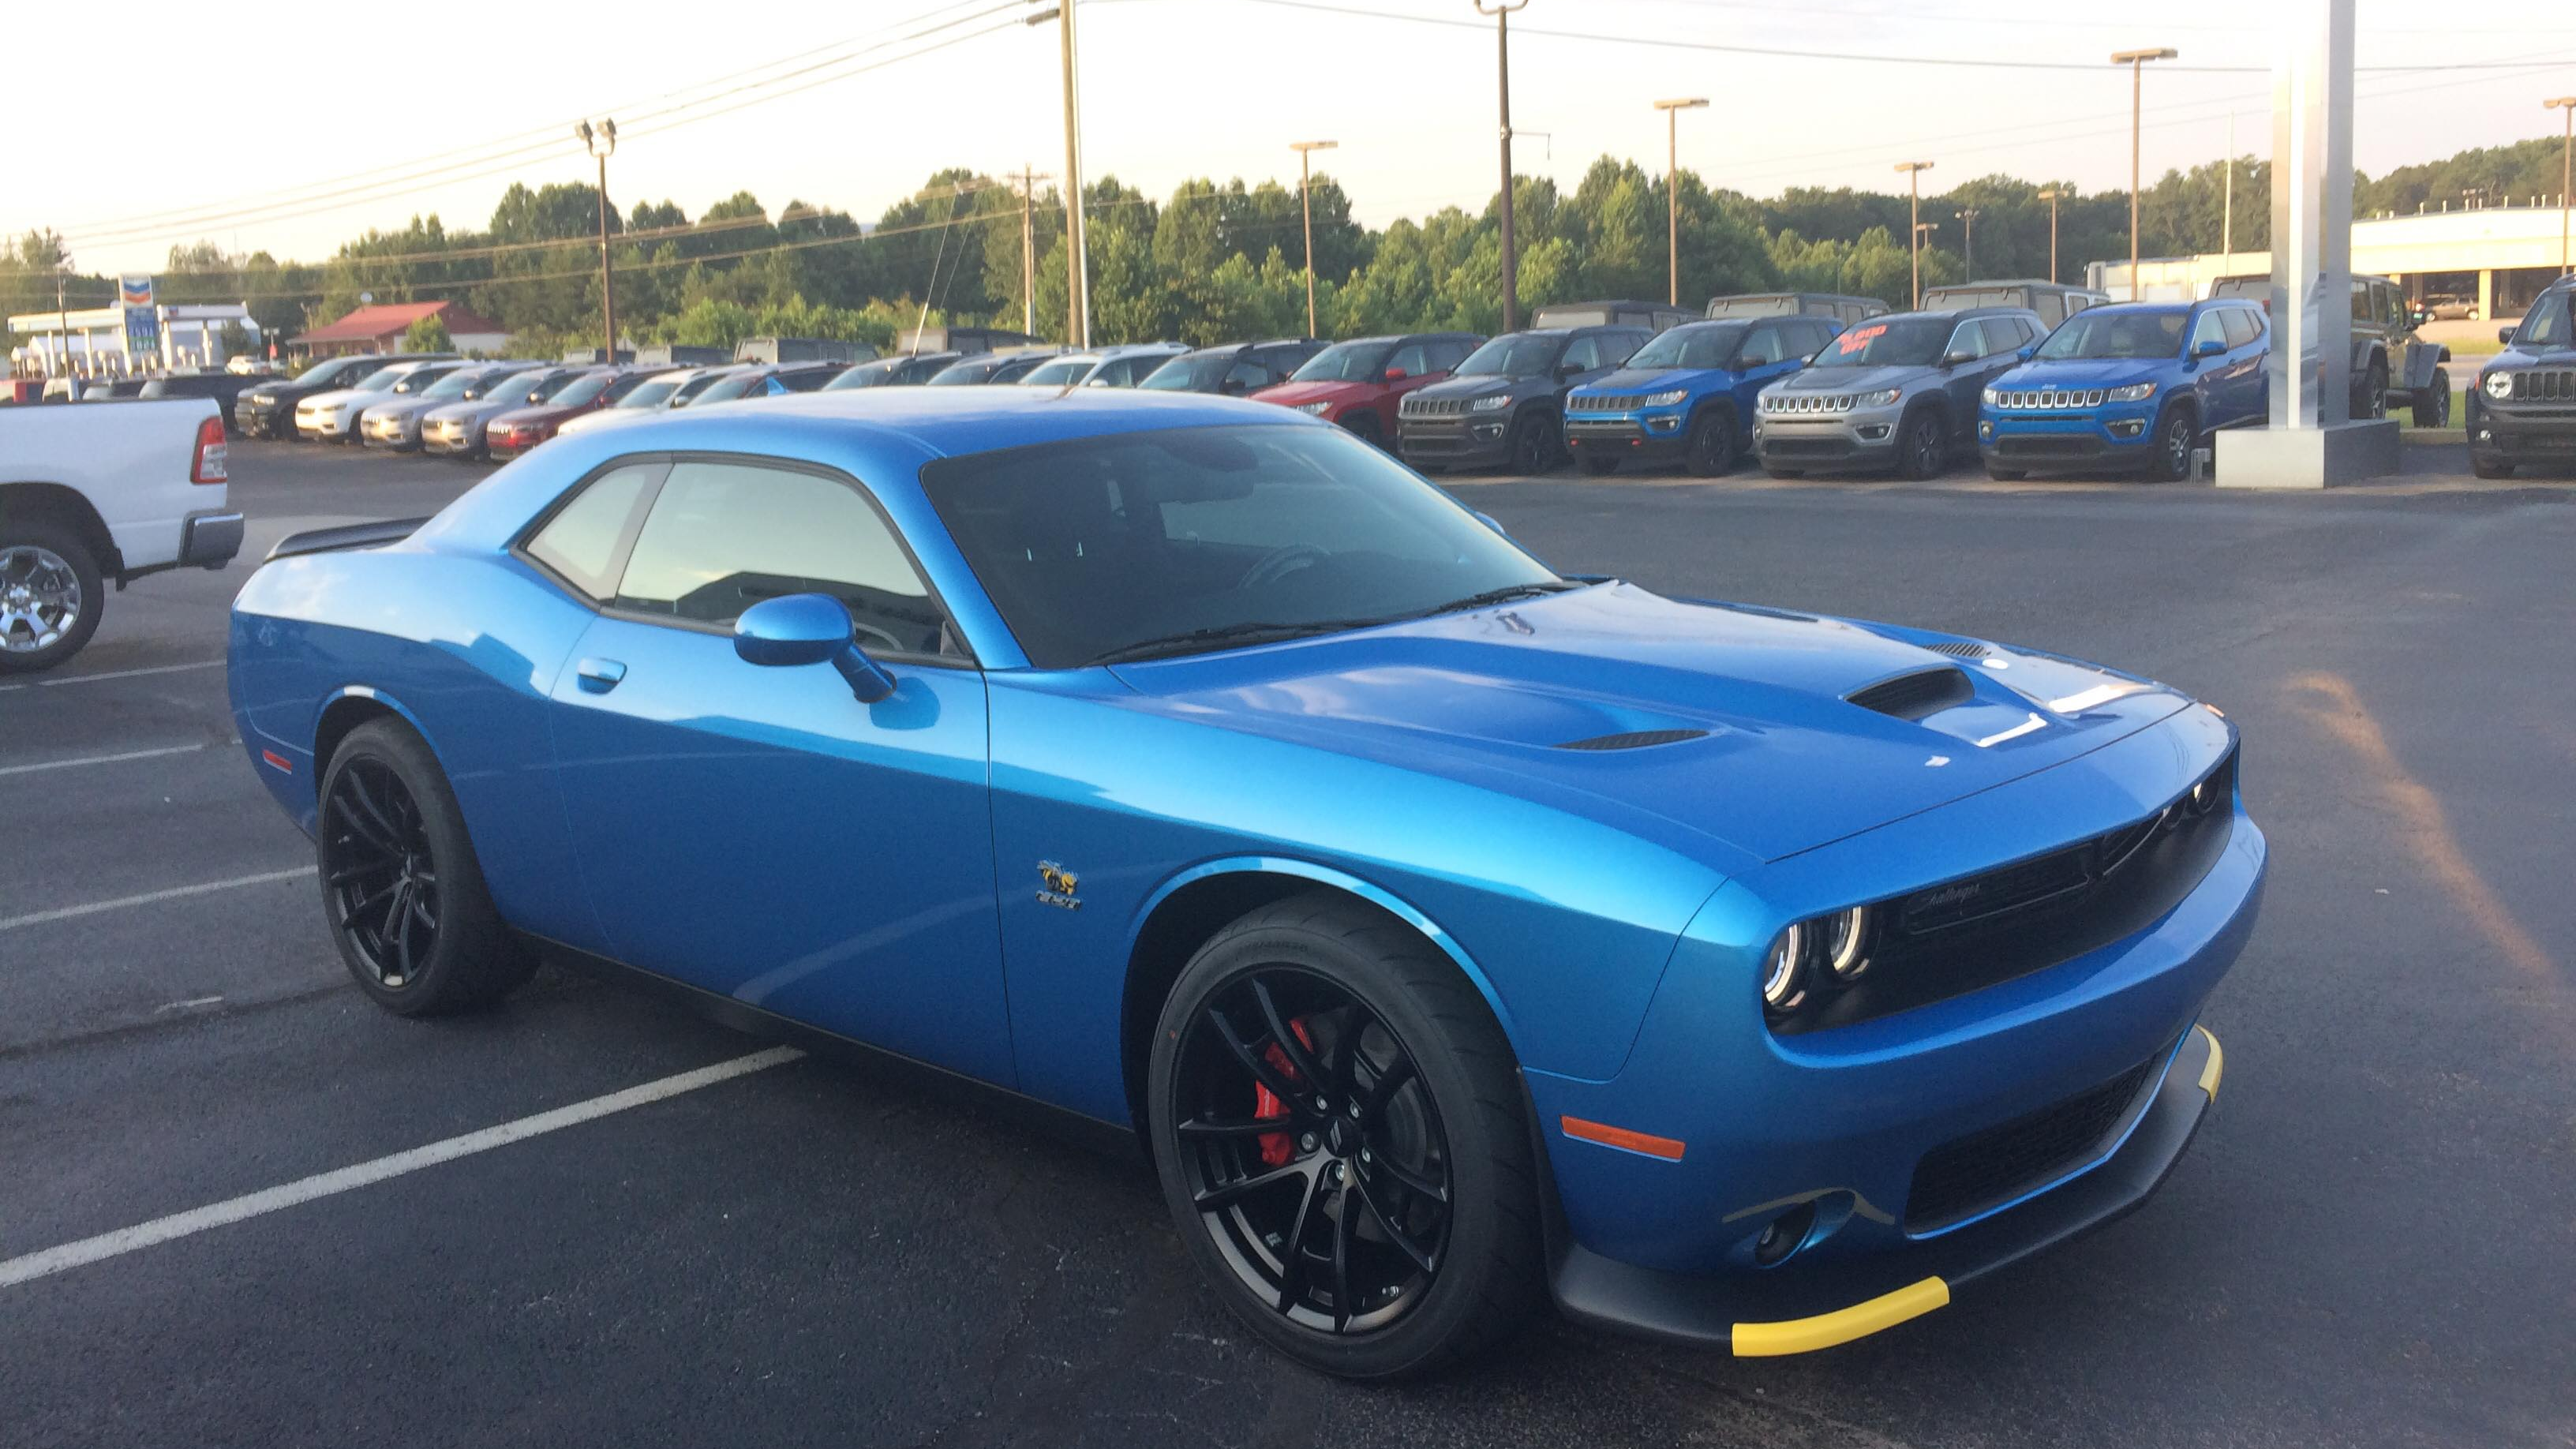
<point>1663,399</point>
<point>1846,943</point>
<point>1990,396</point>
<point>2498,383</point>
<point>1878,399</point>
<point>1784,971</point>
<point>1317,408</point>
<point>2134,392</point>
<point>1491,404</point>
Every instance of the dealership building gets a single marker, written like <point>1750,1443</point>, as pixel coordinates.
<point>2497,258</point>
<point>92,340</point>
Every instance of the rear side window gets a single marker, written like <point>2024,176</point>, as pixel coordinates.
<point>721,537</point>
<point>2239,325</point>
<point>580,542</point>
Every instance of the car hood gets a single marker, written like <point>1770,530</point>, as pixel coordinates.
<point>403,407</point>
<point>2085,372</point>
<point>1852,379</point>
<point>1291,394</point>
<point>2535,357</point>
<point>1773,759</point>
<point>474,408</point>
<point>538,413</point>
<point>1493,385</point>
<point>333,397</point>
<point>1653,379</point>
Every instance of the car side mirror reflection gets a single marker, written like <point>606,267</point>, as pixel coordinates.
<point>797,629</point>
<point>1396,374</point>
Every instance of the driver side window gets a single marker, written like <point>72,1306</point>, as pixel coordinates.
<point>2212,327</point>
<point>1965,338</point>
<point>1412,358</point>
<point>721,536</point>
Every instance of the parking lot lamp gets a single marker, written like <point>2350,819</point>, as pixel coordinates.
<point>1914,212</point>
<point>1305,202</point>
<point>2566,165</point>
<point>1968,221</point>
<point>2050,196</point>
<point>1673,188</point>
<point>1502,13</point>
<point>1077,256</point>
<point>602,141</point>
<point>2136,61</point>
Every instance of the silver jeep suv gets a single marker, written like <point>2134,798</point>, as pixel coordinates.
<point>1896,393</point>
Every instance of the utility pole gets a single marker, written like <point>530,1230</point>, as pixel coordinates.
<point>1968,220</point>
<point>1077,260</point>
<point>1028,179</point>
<point>63,315</point>
<point>1502,10</point>
<point>2566,166</point>
<point>1305,185</point>
<point>603,144</point>
<point>2227,226</point>
<point>2050,196</point>
<point>1914,209</point>
<point>2136,61</point>
<point>1673,188</point>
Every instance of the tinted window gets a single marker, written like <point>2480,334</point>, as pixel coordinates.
<point>809,380</point>
<point>721,537</point>
<point>583,388</point>
<point>1700,345</point>
<point>1101,545</point>
<point>1519,354</point>
<point>1764,345</point>
<point>2239,326</point>
<point>1063,372</point>
<point>1446,355</point>
<point>580,542</point>
<point>1250,375</point>
<point>1910,342</point>
<point>1583,354</point>
<point>2116,334</point>
<point>1346,362</point>
<point>1413,359</point>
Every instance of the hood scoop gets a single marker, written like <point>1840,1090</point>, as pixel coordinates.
<point>1963,649</point>
<point>1634,740</point>
<point>1918,694</point>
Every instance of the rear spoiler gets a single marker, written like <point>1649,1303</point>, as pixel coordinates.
<point>346,536</point>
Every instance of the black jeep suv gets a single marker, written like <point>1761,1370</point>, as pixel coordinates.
<point>1505,404</point>
<point>2522,409</point>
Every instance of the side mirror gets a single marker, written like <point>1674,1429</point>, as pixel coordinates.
<point>2505,335</point>
<point>1567,371</point>
<point>1396,374</point>
<point>2208,347</point>
<point>809,629</point>
<point>1953,359</point>
<point>1487,519</point>
<point>2027,353</point>
<point>1231,387</point>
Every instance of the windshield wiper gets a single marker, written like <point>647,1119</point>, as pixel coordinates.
<point>1250,631</point>
<point>1503,595</point>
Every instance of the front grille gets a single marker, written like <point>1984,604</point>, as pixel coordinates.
<point>2049,445</point>
<point>2048,400</point>
<point>2545,384</point>
<point>1791,403</point>
<point>1968,1175</point>
<point>1605,403</point>
<point>1975,931</point>
<point>1434,407</point>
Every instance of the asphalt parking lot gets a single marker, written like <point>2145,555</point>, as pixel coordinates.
<point>2370,1243</point>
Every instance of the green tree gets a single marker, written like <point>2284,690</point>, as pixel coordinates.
<point>427,334</point>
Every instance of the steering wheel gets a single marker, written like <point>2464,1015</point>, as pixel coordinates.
<point>1280,562</point>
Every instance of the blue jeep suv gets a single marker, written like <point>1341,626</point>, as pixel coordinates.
<point>2129,388</point>
<point>1689,393</point>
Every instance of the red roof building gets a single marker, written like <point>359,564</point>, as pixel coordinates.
<point>380,328</point>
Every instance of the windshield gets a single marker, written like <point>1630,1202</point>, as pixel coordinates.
<point>455,383</point>
<point>2545,325</point>
<point>649,393</point>
<point>1102,546</point>
<point>1520,354</point>
<point>1063,372</point>
<point>1194,372</point>
<point>2123,334</point>
<point>1906,342</point>
<point>584,387</point>
<point>381,380</point>
<point>696,387</point>
<point>512,384</point>
<point>866,374</point>
<point>957,374</point>
<point>1347,362</point>
<point>323,372</point>
<point>724,389</point>
<point>1698,345</point>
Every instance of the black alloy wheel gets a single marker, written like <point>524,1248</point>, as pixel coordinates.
<point>1921,447</point>
<point>2433,402</point>
<point>1710,449</point>
<point>1335,1121</point>
<point>2374,401</point>
<point>2176,433</point>
<point>380,872</point>
<point>1530,449</point>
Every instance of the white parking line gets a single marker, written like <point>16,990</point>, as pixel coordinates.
<point>117,674</point>
<point>65,913</point>
<point>303,1190</point>
<point>100,759</point>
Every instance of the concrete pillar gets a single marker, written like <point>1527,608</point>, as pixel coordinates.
<point>2486,295</point>
<point>2312,440</point>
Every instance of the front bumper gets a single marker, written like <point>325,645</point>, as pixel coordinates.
<point>328,427</point>
<point>262,420</point>
<point>399,431</point>
<point>1654,434</point>
<point>2520,433</point>
<point>452,439</point>
<point>1856,442</point>
<point>1467,440</point>
<point>2112,438</point>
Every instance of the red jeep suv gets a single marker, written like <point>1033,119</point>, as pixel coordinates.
<point>1358,383</point>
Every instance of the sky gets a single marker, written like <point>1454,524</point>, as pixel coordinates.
<point>376,112</point>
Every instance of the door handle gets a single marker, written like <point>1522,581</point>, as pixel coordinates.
<point>599,676</point>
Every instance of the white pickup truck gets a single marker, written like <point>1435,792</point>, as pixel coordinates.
<point>90,495</point>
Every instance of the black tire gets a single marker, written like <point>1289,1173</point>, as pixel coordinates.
<point>1356,990</point>
<point>51,594</point>
<point>1599,466</point>
<point>2006,475</point>
<point>1922,444</point>
<point>1363,426</point>
<point>396,865</point>
<point>2484,469</point>
<point>2177,433</point>
<point>2433,402</point>
<point>1529,450</point>
<point>1709,451</point>
<point>2374,392</point>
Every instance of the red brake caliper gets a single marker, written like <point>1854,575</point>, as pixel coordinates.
<point>1278,1147</point>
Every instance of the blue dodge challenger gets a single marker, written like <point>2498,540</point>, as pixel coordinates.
<point>1455,935</point>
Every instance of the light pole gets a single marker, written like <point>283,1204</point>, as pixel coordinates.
<point>602,142</point>
<point>2136,61</point>
<point>2050,196</point>
<point>1305,202</point>
<point>1968,221</point>
<point>2566,150</point>
<point>1028,178</point>
<point>1673,188</point>
<point>1502,10</point>
<point>1077,259</point>
<point>1914,212</point>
